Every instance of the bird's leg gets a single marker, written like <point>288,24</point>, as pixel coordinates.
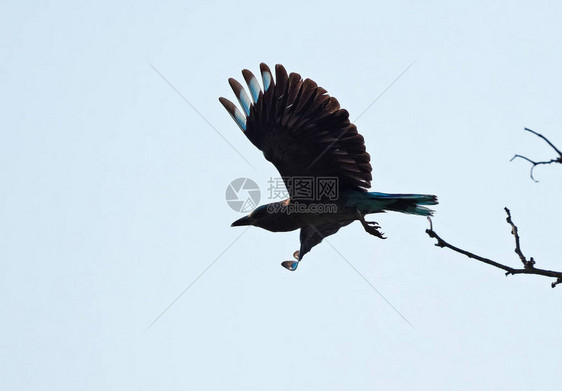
<point>371,227</point>
<point>292,265</point>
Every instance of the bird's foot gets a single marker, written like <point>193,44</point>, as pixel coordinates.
<point>373,227</point>
<point>292,265</point>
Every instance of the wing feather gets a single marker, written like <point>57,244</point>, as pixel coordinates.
<point>301,129</point>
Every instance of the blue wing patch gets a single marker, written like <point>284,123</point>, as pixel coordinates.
<point>236,115</point>
<point>253,84</point>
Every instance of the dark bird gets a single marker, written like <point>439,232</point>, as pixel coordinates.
<point>320,155</point>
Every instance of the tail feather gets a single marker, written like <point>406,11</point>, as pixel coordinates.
<point>404,203</point>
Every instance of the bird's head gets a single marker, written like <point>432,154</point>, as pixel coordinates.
<point>253,218</point>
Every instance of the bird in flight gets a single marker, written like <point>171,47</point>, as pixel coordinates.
<point>320,155</point>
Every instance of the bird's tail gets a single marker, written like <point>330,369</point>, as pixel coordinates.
<point>406,203</point>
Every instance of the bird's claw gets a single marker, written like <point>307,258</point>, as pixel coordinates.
<point>292,265</point>
<point>372,227</point>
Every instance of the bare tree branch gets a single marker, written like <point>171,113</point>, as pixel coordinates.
<point>528,264</point>
<point>534,163</point>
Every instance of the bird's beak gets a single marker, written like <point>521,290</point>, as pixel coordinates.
<point>243,221</point>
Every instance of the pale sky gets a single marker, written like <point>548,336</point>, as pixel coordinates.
<point>113,198</point>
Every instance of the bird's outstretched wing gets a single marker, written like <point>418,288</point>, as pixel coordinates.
<point>300,128</point>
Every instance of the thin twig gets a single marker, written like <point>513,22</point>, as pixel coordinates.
<point>528,264</point>
<point>534,163</point>
<point>545,139</point>
<point>515,232</point>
